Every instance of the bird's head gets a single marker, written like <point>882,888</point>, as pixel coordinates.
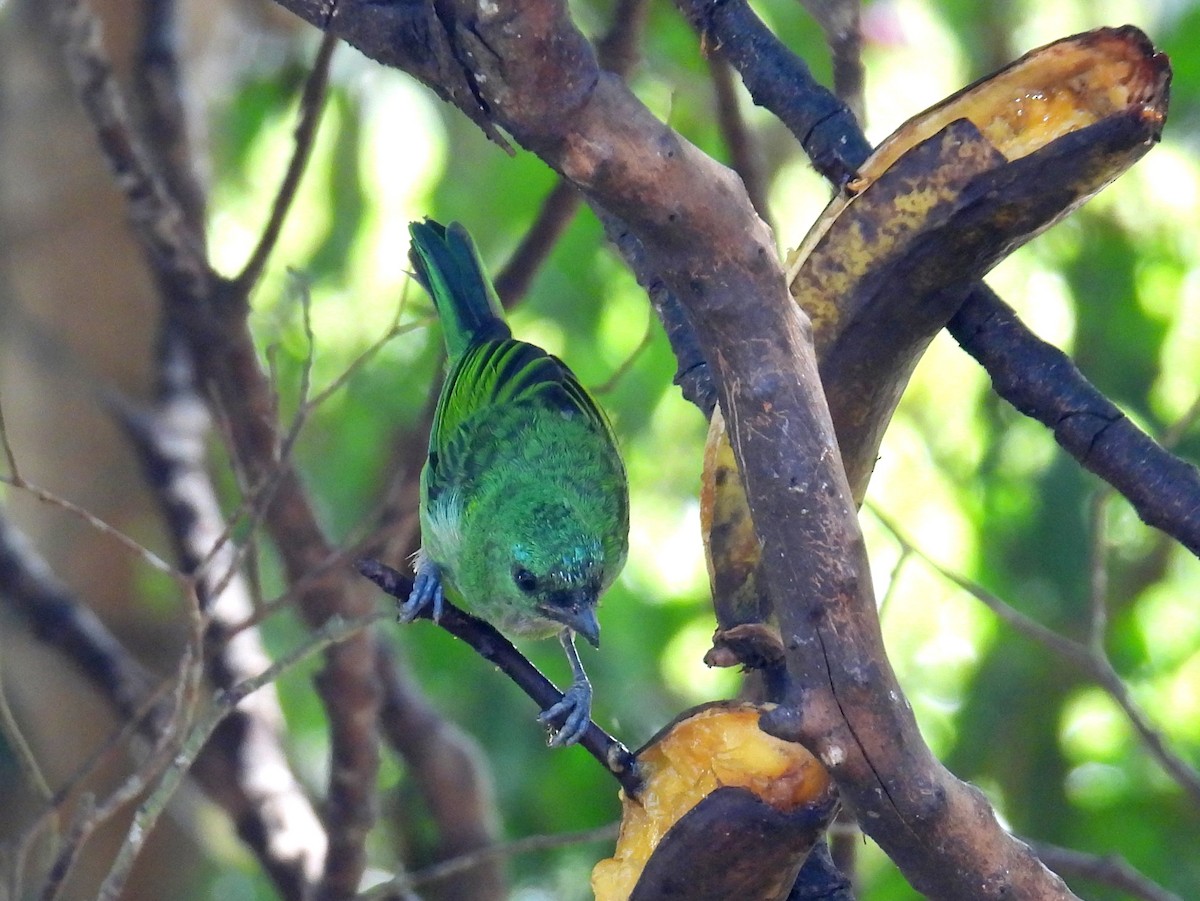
<point>549,572</point>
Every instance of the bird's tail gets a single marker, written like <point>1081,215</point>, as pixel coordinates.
<point>447,265</point>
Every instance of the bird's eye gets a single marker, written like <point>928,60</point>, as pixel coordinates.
<point>525,580</point>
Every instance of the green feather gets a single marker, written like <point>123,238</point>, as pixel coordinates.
<point>447,265</point>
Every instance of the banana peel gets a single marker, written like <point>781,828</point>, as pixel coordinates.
<point>947,196</point>
<point>726,811</point>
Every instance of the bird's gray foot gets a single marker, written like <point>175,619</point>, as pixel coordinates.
<point>574,712</point>
<point>427,592</point>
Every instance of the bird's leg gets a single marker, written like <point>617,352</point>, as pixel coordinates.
<point>427,590</point>
<point>575,708</point>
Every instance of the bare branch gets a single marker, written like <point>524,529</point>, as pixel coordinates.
<point>16,740</point>
<point>163,112</point>
<point>555,214</point>
<point>49,497</point>
<point>1042,382</point>
<point>530,844</point>
<point>781,82</point>
<point>312,102</point>
<point>617,52</point>
<point>197,736</point>
<point>159,222</point>
<point>213,318</point>
<point>92,816</point>
<point>839,19</point>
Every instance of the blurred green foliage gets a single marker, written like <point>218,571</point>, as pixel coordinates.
<point>977,487</point>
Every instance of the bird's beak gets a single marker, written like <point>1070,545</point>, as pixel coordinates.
<point>582,621</point>
<point>585,623</point>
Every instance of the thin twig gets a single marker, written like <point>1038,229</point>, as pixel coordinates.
<point>618,53</point>
<point>25,756</point>
<point>102,756</point>
<point>894,580</point>
<point>1098,569</point>
<point>13,471</point>
<point>49,497</point>
<point>628,363</point>
<point>554,215</point>
<point>1091,660</point>
<point>839,19</point>
<point>257,498</point>
<point>312,103</point>
<point>134,785</point>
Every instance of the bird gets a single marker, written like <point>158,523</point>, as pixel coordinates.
<point>524,505</point>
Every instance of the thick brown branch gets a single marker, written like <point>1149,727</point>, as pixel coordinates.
<point>697,227</point>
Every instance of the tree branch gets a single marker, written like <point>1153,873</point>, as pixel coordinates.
<point>1042,382</point>
<point>312,103</point>
<point>58,619</point>
<point>697,227</point>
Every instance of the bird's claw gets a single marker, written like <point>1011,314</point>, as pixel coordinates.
<point>427,592</point>
<point>574,710</point>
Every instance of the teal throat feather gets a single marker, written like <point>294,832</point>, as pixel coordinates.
<point>524,500</point>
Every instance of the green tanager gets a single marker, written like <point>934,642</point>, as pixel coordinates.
<point>524,499</point>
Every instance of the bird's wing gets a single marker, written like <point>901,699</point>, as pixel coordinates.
<point>504,373</point>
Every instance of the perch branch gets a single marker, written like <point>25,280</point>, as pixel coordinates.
<point>499,651</point>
